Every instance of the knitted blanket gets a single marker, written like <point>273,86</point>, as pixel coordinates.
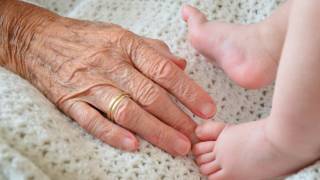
<point>37,141</point>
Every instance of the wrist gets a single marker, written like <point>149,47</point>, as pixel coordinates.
<point>17,31</point>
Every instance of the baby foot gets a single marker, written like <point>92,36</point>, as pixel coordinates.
<point>247,53</point>
<point>244,152</point>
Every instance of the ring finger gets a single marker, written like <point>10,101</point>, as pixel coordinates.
<point>97,125</point>
<point>153,99</point>
<point>132,117</point>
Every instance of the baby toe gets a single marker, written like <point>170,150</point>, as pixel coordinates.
<point>210,130</point>
<point>205,158</point>
<point>192,15</point>
<point>210,167</point>
<point>218,175</point>
<point>203,147</point>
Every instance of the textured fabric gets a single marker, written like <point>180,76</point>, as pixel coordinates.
<point>39,142</point>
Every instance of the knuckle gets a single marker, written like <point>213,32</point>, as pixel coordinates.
<point>125,36</point>
<point>124,114</point>
<point>182,89</point>
<point>164,71</point>
<point>185,89</point>
<point>137,49</point>
<point>107,132</point>
<point>130,42</point>
<point>90,122</point>
<point>161,43</point>
<point>148,94</point>
<point>161,136</point>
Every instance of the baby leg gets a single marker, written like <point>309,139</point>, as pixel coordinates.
<point>249,54</point>
<point>287,140</point>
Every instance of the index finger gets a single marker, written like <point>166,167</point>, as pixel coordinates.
<point>164,72</point>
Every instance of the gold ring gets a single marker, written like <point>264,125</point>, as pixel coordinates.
<point>114,103</point>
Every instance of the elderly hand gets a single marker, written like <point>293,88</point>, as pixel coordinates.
<point>82,66</point>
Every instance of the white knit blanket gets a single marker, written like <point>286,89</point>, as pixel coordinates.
<point>39,142</point>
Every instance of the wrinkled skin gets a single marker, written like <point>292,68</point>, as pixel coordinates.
<point>80,66</point>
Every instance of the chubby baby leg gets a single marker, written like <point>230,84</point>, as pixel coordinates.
<point>249,54</point>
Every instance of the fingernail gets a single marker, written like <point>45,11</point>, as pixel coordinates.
<point>184,64</point>
<point>182,146</point>
<point>128,144</point>
<point>208,110</point>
